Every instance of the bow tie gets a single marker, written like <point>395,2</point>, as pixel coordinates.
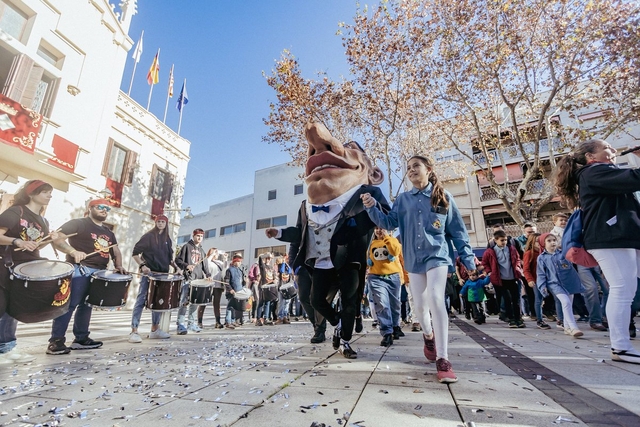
<point>315,208</point>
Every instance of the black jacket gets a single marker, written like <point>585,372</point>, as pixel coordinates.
<point>351,237</point>
<point>191,255</point>
<point>610,209</point>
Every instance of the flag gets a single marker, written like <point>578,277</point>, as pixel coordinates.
<point>171,82</point>
<point>137,52</point>
<point>153,76</point>
<point>182,99</point>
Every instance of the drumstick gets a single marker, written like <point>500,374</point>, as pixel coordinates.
<point>43,241</point>
<point>155,272</point>
<point>100,250</point>
<point>40,242</point>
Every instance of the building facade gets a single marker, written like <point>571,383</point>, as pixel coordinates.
<point>239,225</point>
<point>63,118</point>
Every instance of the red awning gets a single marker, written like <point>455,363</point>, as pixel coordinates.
<point>66,154</point>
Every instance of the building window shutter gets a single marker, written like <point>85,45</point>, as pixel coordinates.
<point>107,158</point>
<point>168,187</point>
<point>129,171</point>
<point>18,77</point>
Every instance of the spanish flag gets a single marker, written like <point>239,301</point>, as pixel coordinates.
<point>153,76</point>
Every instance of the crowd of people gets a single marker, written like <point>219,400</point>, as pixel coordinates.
<point>352,255</point>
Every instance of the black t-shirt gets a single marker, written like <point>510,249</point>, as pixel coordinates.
<point>156,251</point>
<point>90,237</point>
<point>22,223</point>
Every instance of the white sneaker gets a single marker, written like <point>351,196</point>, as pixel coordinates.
<point>576,333</point>
<point>159,334</point>
<point>16,357</point>
<point>629,356</point>
<point>194,328</point>
<point>135,338</point>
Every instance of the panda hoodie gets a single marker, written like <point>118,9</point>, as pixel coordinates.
<point>384,256</point>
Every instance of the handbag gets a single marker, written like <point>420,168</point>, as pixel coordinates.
<point>288,291</point>
<point>243,294</point>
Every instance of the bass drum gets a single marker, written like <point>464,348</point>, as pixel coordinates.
<point>108,289</point>
<point>40,290</point>
<point>200,292</point>
<point>164,291</point>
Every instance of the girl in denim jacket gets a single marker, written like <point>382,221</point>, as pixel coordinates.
<point>428,219</point>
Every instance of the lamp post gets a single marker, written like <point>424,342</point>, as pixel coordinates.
<point>188,214</point>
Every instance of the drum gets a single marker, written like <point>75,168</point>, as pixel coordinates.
<point>40,290</point>
<point>200,292</point>
<point>108,289</point>
<point>164,291</point>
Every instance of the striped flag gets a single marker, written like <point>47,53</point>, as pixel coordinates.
<point>137,52</point>
<point>153,76</point>
<point>171,82</point>
<point>182,99</point>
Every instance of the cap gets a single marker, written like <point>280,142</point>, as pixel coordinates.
<point>162,218</point>
<point>236,256</point>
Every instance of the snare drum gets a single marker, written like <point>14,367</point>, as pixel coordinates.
<point>108,289</point>
<point>164,291</point>
<point>200,292</point>
<point>40,290</point>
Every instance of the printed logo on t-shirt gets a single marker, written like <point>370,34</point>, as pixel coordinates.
<point>195,257</point>
<point>31,231</point>
<point>101,244</point>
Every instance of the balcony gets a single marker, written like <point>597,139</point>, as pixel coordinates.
<point>512,152</point>
<point>490,193</point>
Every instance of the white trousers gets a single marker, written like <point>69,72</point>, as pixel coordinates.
<point>428,305</point>
<point>620,268</point>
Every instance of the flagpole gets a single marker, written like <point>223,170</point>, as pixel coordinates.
<point>184,89</point>
<point>166,105</point>
<point>135,65</point>
<point>151,90</point>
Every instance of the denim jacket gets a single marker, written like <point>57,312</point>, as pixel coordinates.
<point>555,269</point>
<point>425,231</point>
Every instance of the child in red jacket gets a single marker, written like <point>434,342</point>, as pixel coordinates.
<point>502,262</point>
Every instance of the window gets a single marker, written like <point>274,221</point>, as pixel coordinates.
<point>27,82</point>
<point>272,195</point>
<point>468,223</point>
<point>50,54</point>
<point>119,163</point>
<point>210,233</point>
<point>275,250</point>
<point>235,228</point>
<point>297,189</point>
<point>13,21</point>
<point>276,221</point>
<point>161,184</point>
<point>183,239</point>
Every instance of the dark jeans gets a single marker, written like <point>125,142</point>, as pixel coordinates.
<point>478,312</point>
<point>217,296</point>
<point>80,284</point>
<point>531,300</point>
<point>304,294</point>
<point>326,284</point>
<point>509,293</point>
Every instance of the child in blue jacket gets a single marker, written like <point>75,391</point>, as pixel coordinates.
<point>474,290</point>
<point>557,276</point>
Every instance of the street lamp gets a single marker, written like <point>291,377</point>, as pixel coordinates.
<point>188,214</point>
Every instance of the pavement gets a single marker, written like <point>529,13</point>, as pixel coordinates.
<point>272,376</point>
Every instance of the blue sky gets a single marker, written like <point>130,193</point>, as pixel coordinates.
<point>221,47</point>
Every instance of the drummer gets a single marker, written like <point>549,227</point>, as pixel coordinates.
<point>21,227</point>
<point>154,254</point>
<point>90,248</point>
<point>192,261</point>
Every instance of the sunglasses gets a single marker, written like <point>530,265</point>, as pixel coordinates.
<point>103,207</point>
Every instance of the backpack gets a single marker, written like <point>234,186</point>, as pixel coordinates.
<point>573,242</point>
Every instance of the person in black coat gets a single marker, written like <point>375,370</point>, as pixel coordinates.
<point>333,230</point>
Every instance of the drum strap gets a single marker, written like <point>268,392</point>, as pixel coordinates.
<point>7,258</point>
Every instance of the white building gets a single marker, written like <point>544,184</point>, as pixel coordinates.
<point>64,120</point>
<point>238,225</point>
